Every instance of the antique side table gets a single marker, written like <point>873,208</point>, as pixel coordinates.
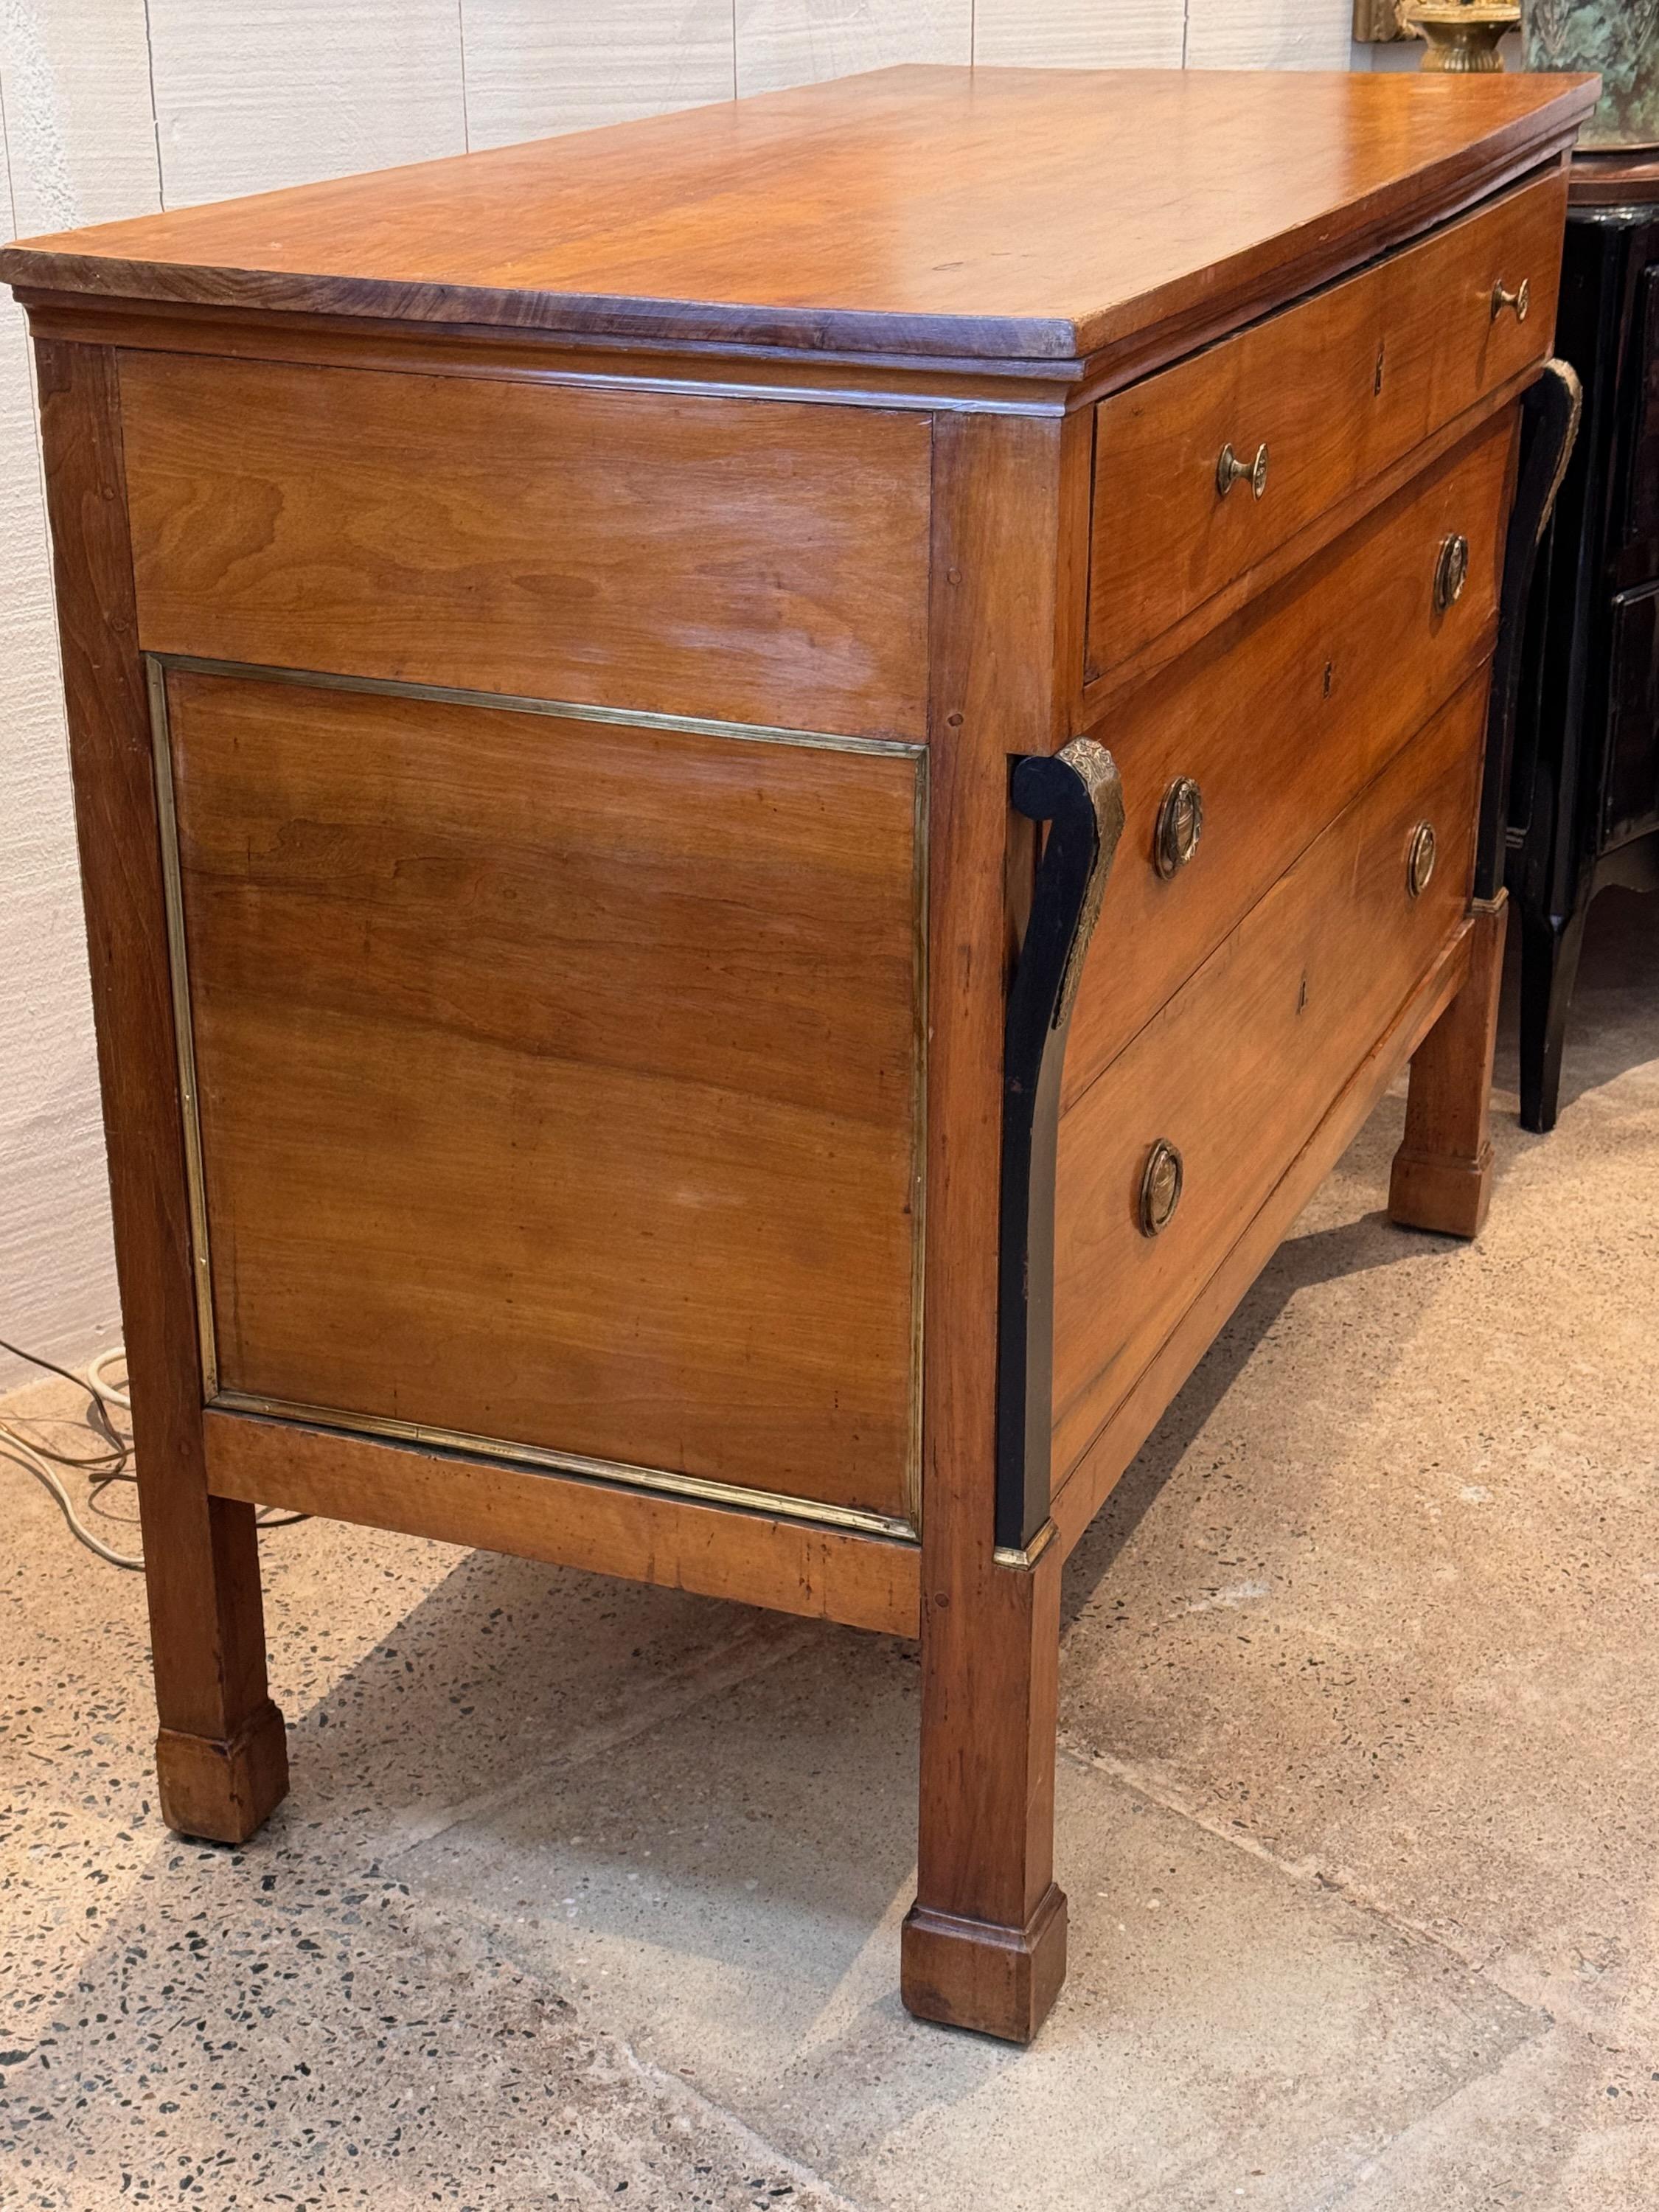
<point>759,793</point>
<point>1584,797</point>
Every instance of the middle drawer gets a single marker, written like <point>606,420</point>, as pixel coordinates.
<point>1279,718</point>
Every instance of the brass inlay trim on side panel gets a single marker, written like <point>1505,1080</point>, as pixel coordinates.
<point>919,1147</point>
<point>702,1488</point>
<point>183,1031</point>
<point>706,1490</point>
<point>1022,1557</point>
<point>511,703</point>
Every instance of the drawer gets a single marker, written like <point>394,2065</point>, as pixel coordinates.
<point>737,560</point>
<point>1279,717</point>
<point>1237,1070</point>
<point>1334,391</point>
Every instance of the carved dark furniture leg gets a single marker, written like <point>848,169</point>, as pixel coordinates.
<point>1549,969</point>
<point>985,1943</point>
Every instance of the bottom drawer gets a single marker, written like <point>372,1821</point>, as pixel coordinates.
<point>1237,1070</point>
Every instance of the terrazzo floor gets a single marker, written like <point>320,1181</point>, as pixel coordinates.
<point>589,1894</point>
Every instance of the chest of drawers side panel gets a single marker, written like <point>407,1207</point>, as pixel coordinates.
<point>558,1081</point>
<point>751,561</point>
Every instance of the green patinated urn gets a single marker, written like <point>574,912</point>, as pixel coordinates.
<point>1618,38</point>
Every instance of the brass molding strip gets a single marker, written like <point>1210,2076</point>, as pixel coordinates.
<point>919,909</point>
<point>509,703</point>
<point>183,1031</point>
<point>1026,1557</point>
<point>702,1488</point>
<point>157,665</point>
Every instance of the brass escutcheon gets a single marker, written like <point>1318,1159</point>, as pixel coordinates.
<point>1451,572</point>
<point>1520,300</point>
<point>1160,1187</point>
<point>1229,471</point>
<point>1420,861</point>
<point>1180,826</point>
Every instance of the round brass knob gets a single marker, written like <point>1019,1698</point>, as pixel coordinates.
<point>1420,860</point>
<point>1180,826</point>
<point>1229,471</point>
<point>1160,1187</point>
<point>1520,300</point>
<point>1451,572</point>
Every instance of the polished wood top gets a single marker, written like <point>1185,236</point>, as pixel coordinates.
<point>1630,179</point>
<point>1035,214</point>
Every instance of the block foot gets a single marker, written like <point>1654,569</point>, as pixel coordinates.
<point>1442,1173</point>
<point>1447,1196</point>
<point>224,1791</point>
<point>969,1973</point>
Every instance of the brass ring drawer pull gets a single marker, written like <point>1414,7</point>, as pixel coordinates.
<point>1160,1187</point>
<point>1520,300</point>
<point>1180,826</point>
<point>1451,572</point>
<point>1229,471</point>
<point>1420,861</point>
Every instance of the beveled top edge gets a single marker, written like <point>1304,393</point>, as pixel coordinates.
<point>979,215</point>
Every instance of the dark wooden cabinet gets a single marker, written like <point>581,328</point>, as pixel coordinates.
<point>1585,790</point>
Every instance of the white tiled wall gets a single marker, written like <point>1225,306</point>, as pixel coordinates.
<point>111,107</point>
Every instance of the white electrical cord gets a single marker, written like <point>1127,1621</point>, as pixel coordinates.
<point>13,1447</point>
<point>105,1466</point>
<point>110,1463</point>
<point>106,1392</point>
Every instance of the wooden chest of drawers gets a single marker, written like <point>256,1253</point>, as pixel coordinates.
<point>629,695</point>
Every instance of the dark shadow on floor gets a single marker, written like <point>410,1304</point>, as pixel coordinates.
<point>1353,1248</point>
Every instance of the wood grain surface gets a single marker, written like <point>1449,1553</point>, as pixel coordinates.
<point>1047,213</point>
<point>1337,389</point>
<point>558,1081</point>
<point>1079,1497</point>
<point>1239,1068</point>
<point>1280,717</point>
<point>736,560</point>
<point>221,1752</point>
<point>989,1632</point>
<point>678,1543</point>
<point>1441,1175</point>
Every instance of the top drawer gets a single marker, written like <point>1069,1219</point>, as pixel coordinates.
<point>1312,403</point>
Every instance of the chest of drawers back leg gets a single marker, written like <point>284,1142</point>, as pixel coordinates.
<point>1442,1173</point>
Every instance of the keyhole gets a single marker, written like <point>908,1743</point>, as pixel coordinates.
<point>1330,676</point>
<point>1376,381</point>
<point>1302,995</point>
